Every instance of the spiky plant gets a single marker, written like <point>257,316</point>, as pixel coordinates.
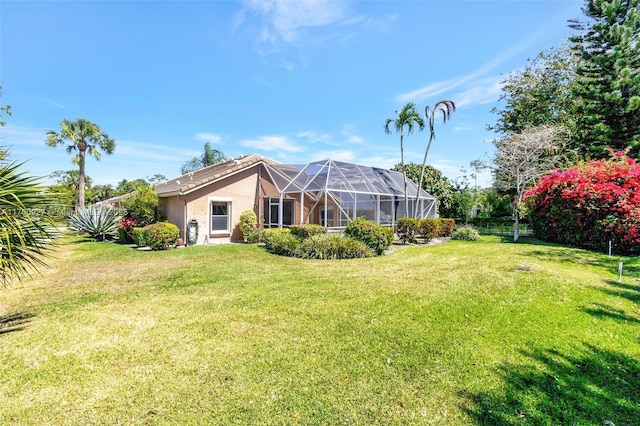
<point>26,228</point>
<point>97,222</point>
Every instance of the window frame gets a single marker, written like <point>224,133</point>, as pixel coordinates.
<point>269,203</point>
<point>227,202</point>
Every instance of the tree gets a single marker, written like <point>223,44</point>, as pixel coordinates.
<point>209,157</point>
<point>65,188</point>
<point>157,178</point>
<point>522,158</point>
<point>84,137</point>
<point>127,186</point>
<point>477,166</point>
<point>436,184</point>
<point>409,118</point>
<point>444,107</point>
<point>102,192</point>
<point>539,94</point>
<point>606,93</point>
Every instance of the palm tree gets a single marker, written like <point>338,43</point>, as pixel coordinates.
<point>25,224</point>
<point>82,136</point>
<point>410,118</point>
<point>209,157</point>
<point>445,107</point>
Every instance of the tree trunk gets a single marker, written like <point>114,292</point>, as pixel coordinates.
<point>81,179</point>
<point>516,226</point>
<point>404,175</point>
<point>424,164</point>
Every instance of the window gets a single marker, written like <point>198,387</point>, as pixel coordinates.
<point>272,211</point>
<point>220,217</point>
<point>329,221</point>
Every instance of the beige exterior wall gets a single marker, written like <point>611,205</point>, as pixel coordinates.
<point>242,191</point>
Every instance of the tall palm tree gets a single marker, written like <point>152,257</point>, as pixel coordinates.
<point>209,157</point>
<point>85,137</point>
<point>410,118</point>
<point>444,107</point>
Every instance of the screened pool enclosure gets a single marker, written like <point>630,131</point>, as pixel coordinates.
<point>332,193</point>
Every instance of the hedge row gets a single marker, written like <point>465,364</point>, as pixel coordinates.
<point>410,229</point>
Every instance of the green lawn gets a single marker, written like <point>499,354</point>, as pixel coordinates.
<point>485,332</point>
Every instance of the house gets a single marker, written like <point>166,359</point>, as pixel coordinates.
<point>206,204</point>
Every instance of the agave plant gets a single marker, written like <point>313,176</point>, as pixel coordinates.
<point>26,229</point>
<point>98,222</point>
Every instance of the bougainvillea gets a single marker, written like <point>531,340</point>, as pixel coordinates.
<point>589,205</point>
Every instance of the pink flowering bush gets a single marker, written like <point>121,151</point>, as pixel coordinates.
<point>125,229</point>
<point>589,205</point>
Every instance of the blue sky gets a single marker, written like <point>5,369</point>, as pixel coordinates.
<point>296,81</point>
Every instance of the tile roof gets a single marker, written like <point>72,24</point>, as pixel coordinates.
<point>207,175</point>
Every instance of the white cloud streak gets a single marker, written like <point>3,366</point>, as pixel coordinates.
<point>470,96</point>
<point>272,143</point>
<point>208,137</point>
<point>288,20</point>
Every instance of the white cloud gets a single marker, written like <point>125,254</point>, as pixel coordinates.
<point>287,20</point>
<point>484,92</point>
<point>316,137</point>
<point>147,151</point>
<point>208,137</point>
<point>386,162</point>
<point>272,143</point>
<point>337,155</point>
<point>432,90</point>
<point>20,136</point>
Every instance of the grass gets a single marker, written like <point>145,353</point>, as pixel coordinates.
<point>481,332</point>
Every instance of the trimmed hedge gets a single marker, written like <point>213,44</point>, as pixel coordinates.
<point>377,238</point>
<point>333,246</point>
<point>429,229</point>
<point>304,231</point>
<point>446,227</point>
<point>407,228</point>
<point>281,241</point>
<point>158,236</point>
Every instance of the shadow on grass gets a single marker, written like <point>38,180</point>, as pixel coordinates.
<point>624,290</point>
<point>14,322</point>
<point>590,387</point>
<point>627,291</point>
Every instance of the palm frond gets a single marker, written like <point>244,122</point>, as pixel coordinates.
<point>26,230</point>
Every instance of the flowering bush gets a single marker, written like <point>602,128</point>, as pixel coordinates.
<point>589,205</point>
<point>125,229</point>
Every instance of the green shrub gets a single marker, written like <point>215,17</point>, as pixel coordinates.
<point>429,228</point>
<point>143,204</point>
<point>466,233</point>
<point>304,231</point>
<point>158,236</point>
<point>98,222</point>
<point>249,226</point>
<point>446,227</point>
<point>391,236</point>
<point>333,246</point>
<point>372,235</point>
<point>281,241</point>
<point>138,236</point>
<point>407,228</point>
